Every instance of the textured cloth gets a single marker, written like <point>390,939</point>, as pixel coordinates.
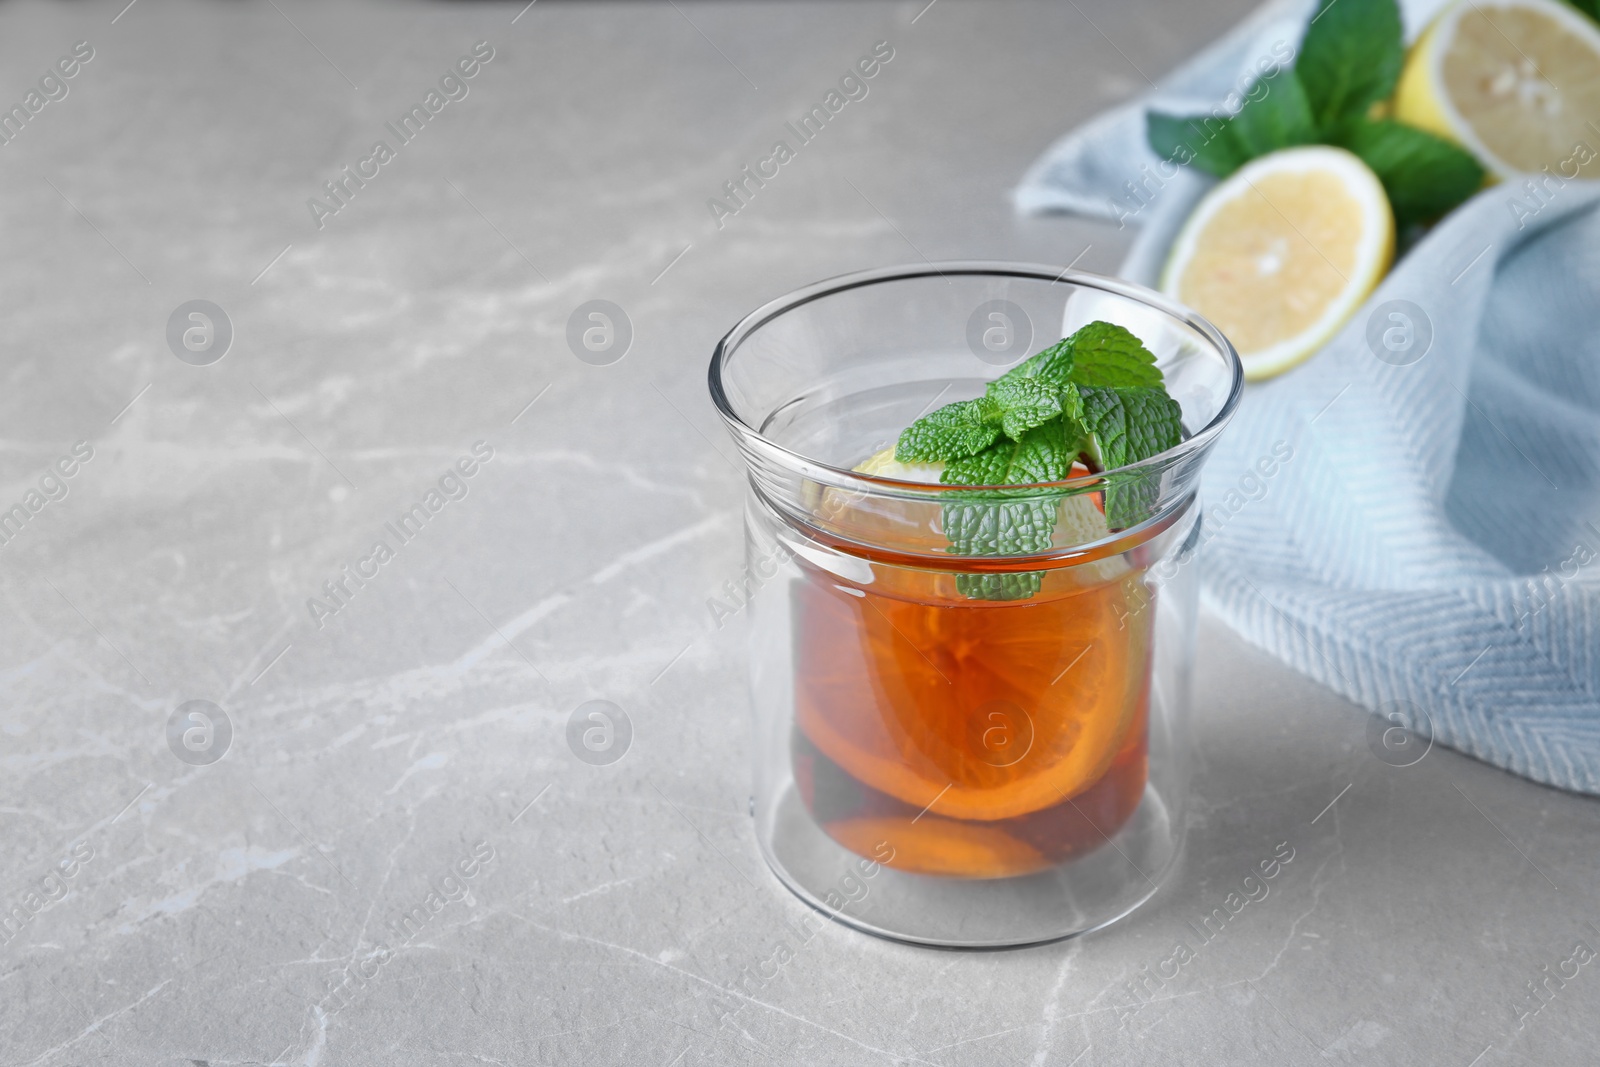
<point>1432,545</point>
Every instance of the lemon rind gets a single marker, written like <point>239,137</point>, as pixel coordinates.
<point>1420,99</point>
<point>1373,254</point>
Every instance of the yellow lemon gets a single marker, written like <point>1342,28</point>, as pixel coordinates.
<point>1515,82</point>
<point>1080,519</point>
<point>884,465</point>
<point>1280,254</point>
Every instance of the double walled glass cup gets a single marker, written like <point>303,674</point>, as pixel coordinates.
<point>971,703</point>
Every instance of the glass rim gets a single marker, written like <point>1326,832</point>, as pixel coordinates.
<point>841,283</point>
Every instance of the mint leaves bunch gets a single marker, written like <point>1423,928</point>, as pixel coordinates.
<point>1096,396</point>
<point>1350,60</point>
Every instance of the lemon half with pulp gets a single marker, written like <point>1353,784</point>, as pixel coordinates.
<point>1515,82</point>
<point>1282,253</point>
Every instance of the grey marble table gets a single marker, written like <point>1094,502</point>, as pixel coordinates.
<point>398,859</point>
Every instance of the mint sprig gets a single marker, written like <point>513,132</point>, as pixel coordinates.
<point>1014,404</point>
<point>1070,387</point>
<point>998,524</point>
<point>1350,59</point>
<point>960,429</point>
<point>1096,396</point>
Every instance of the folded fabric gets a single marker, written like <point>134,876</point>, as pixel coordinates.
<point>1431,547</point>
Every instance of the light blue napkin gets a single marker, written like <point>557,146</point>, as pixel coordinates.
<point>1431,546</point>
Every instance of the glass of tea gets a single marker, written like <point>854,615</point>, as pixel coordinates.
<point>962,747</point>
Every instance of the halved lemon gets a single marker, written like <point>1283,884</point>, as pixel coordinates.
<point>1515,82</point>
<point>1282,253</point>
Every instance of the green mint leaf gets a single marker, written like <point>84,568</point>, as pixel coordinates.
<point>991,524</point>
<point>1000,527</point>
<point>1350,58</point>
<point>1054,364</point>
<point>1018,585</point>
<point>1073,426</point>
<point>1424,176</point>
<point>1280,117</point>
<point>1024,403</point>
<point>957,430</point>
<point>1126,426</point>
<point>1106,355</point>
<point>1130,425</point>
<point>1205,141</point>
<point>1042,455</point>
